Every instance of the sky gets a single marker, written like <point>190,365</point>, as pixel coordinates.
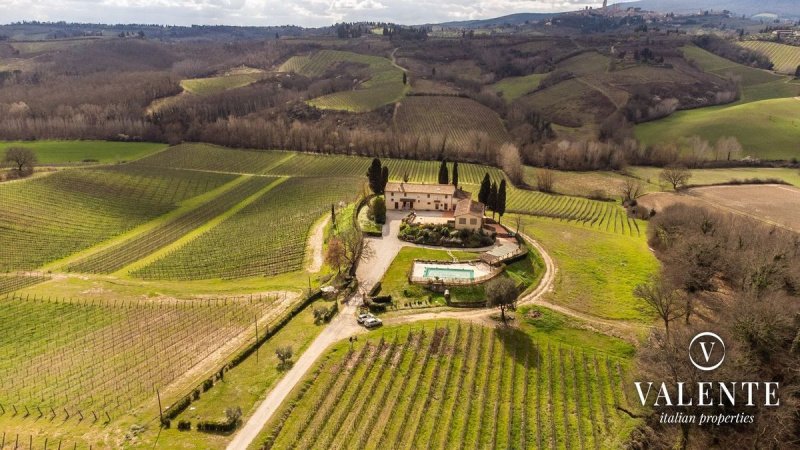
<point>309,13</point>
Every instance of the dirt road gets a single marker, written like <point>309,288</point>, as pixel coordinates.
<point>341,327</point>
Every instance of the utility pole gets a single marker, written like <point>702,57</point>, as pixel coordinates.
<point>160,411</point>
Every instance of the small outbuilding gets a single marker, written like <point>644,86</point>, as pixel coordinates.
<point>468,215</point>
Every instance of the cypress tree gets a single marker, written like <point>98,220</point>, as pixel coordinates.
<point>374,176</point>
<point>493,199</point>
<point>443,173</point>
<point>384,178</point>
<point>483,194</point>
<point>501,199</point>
<point>455,173</point>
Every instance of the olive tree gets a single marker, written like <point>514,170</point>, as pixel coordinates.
<point>502,293</point>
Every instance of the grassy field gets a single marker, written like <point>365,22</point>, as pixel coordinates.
<point>513,88</point>
<point>232,79</point>
<point>717,176</point>
<point>597,270</point>
<point>446,385</point>
<point>756,84</point>
<point>768,129</point>
<point>584,184</point>
<point>243,387</point>
<point>62,152</point>
<point>384,86</point>
<point>785,57</point>
<point>462,122</point>
<point>92,205</point>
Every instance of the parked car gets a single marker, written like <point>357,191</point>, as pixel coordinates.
<point>372,322</point>
<point>364,316</point>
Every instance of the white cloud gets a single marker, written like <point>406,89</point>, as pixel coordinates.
<point>273,12</point>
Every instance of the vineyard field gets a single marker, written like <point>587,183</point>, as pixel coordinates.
<point>384,86</point>
<point>93,205</point>
<point>213,158</point>
<point>131,250</point>
<point>312,165</point>
<point>463,122</point>
<point>85,360</point>
<point>607,216</point>
<point>12,282</point>
<point>786,58</point>
<point>267,237</point>
<point>454,385</point>
<point>233,79</point>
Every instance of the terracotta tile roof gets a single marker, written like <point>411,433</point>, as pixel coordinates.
<point>468,206</point>
<point>420,188</point>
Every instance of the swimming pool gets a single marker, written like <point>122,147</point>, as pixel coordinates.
<point>448,273</point>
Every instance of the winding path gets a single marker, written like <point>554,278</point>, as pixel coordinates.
<point>344,326</point>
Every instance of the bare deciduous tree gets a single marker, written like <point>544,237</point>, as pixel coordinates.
<point>631,189</point>
<point>23,159</point>
<point>677,176</point>
<point>728,148</point>
<point>511,162</point>
<point>661,298</point>
<point>545,179</point>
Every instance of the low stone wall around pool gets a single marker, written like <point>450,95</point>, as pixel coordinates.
<point>481,272</point>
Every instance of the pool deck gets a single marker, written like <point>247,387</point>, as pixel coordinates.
<point>479,269</point>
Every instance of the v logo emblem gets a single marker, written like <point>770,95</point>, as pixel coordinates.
<point>707,353</point>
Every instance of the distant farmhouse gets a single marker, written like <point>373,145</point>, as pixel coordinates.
<point>468,214</point>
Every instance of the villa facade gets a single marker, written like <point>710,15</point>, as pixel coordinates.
<point>467,214</point>
<point>423,197</point>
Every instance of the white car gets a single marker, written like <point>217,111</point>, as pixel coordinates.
<point>364,316</point>
<point>372,322</point>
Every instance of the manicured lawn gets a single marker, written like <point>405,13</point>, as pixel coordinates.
<point>60,152</point>
<point>404,294</point>
<point>526,272</point>
<point>597,270</point>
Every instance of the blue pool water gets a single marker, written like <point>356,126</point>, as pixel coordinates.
<point>449,273</point>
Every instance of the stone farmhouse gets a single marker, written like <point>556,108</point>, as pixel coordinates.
<point>467,213</point>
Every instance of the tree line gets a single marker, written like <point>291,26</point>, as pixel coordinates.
<point>739,278</point>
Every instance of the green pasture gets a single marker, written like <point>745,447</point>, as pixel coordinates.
<point>767,129</point>
<point>63,152</point>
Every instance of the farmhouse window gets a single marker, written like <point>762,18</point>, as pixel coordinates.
<point>462,221</point>
<point>473,221</point>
